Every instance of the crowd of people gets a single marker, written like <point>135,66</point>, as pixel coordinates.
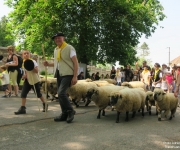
<point>158,76</point>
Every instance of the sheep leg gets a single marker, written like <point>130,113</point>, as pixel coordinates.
<point>134,113</point>
<point>103,112</point>
<point>166,113</point>
<point>74,101</point>
<point>142,112</point>
<point>159,115</point>
<point>87,103</point>
<point>127,116</point>
<point>117,117</point>
<point>149,110</point>
<point>172,113</point>
<point>99,114</point>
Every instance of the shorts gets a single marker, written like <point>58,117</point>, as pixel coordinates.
<point>4,87</point>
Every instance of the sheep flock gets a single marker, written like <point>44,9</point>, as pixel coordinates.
<point>130,97</point>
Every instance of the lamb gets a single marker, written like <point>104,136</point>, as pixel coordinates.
<point>128,100</point>
<point>150,101</point>
<point>100,96</point>
<point>165,101</point>
<point>134,84</point>
<point>79,90</point>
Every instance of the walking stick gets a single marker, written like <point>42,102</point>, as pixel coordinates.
<point>45,77</point>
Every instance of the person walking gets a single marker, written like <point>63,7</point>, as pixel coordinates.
<point>113,72</point>
<point>12,64</point>
<point>31,81</point>
<point>145,77</point>
<point>66,66</point>
<point>81,76</point>
<point>156,77</point>
<point>5,81</point>
<point>118,77</point>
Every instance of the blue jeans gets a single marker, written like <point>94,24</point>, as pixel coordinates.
<point>64,101</point>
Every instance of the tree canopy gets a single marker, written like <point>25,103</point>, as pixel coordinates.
<point>104,31</point>
<point>6,36</point>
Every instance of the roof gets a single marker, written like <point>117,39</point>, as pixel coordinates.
<point>175,61</point>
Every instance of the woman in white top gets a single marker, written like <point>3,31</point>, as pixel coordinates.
<point>118,77</point>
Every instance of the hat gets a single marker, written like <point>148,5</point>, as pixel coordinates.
<point>1,57</point>
<point>57,34</point>
<point>28,64</point>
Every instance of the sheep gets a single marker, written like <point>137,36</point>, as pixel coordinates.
<point>100,96</point>
<point>101,83</point>
<point>78,91</point>
<point>111,81</point>
<point>150,101</point>
<point>165,101</point>
<point>128,100</point>
<point>134,84</point>
<point>51,87</point>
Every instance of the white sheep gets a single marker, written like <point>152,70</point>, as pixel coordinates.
<point>101,83</point>
<point>127,100</point>
<point>100,96</point>
<point>150,101</point>
<point>78,92</point>
<point>134,84</point>
<point>165,101</point>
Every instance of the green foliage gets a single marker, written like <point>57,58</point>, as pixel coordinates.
<point>104,31</point>
<point>43,72</point>
<point>6,36</point>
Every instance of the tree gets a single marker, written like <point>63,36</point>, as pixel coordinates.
<point>6,36</point>
<point>100,30</point>
<point>144,50</point>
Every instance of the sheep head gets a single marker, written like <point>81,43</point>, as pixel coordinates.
<point>90,92</point>
<point>114,98</point>
<point>159,94</point>
<point>149,96</point>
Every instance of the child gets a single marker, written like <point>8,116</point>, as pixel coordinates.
<point>169,78</point>
<point>118,77</point>
<point>31,80</point>
<point>5,81</point>
<point>164,84</point>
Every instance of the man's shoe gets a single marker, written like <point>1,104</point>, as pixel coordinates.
<point>62,117</point>
<point>45,107</point>
<point>22,110</point>
<point>70,117</point>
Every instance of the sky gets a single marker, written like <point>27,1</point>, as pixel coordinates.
<point>164,43</point>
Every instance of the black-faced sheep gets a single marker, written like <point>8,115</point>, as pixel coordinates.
<point>100,96</point>
<point>128,100</point>
<point>51,87</point>
<point>165,101</point>
<point>150,101</point>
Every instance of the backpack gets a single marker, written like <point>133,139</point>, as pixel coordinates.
<point>20,61</point>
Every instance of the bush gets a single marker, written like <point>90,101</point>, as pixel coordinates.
<point>43,72</point>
